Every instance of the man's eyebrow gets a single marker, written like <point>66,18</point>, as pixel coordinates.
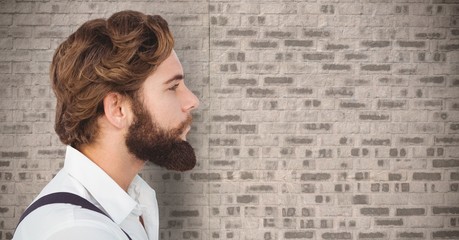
<point>176,77</point>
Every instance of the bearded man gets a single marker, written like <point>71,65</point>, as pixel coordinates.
<point>121,102</point>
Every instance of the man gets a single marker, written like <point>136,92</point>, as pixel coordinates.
<point>121,101</point>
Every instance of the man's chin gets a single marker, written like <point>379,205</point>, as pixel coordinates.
<point>179,156</point>
<point>182,158</point>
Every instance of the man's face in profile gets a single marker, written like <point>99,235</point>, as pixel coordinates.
<point>162,118</point>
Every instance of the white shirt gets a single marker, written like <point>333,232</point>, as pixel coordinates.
<point>83,177</point>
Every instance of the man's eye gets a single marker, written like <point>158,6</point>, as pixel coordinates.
<point>173,88</point>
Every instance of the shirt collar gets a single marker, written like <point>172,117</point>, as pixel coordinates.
<point>113,199</point>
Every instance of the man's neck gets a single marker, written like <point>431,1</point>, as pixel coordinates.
<point>120,165</point>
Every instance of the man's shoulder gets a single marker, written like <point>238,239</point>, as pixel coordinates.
<point>62,219</point>
<point>59,219</point>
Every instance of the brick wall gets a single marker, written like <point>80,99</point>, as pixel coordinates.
<point>318,120</point>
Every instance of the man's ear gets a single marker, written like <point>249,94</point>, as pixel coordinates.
<point>117,109</point>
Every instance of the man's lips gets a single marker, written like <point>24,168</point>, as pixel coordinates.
<point>185,132</point>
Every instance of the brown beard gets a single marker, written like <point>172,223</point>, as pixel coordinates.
<point>149,142</point>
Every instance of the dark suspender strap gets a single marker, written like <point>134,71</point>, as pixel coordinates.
<point>63,197</point>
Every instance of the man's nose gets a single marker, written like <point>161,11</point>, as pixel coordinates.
<point>191,102</point>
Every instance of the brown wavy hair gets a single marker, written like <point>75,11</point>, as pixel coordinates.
<point>103,56</point>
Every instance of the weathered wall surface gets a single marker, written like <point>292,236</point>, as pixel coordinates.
<point>319,119</point>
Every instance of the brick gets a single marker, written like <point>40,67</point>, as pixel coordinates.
<point>318,56</point>
<point>239,56</point>
<point>261,189</point>
<point>299,20</point>
<point>316,127</point>
<point>229,68</point>
<point>247,199</point>
<point>445,210</point>
<point>449,47</point>
<point>372,235</point>
<point>392,104</point>
<point>17,55</point>
<point>261,140</point>
<point>392,81</point>
<point>15,128</point>
<point>411,44</point>
<point>219,20</point>
<point>408,116</point>
<point>205,176</point>
<point>375,44</point>
<point>352,104</point>
<point>332,46</point>
<point>262,68</point>
<point>50,32</point>
<point>436,80</point>
<point>336,67</point>
<point>242,8</point>
<point>410,235</point>
<point>299,140</point>
<point>360,199</point>
<point>337,235</point>
<point>426,176</point>
<point>312,103</point>
<point>269,20</point>
<point>241,128</point>
<point>454,176</point>
<point>263,44</point>
<point>247,175</point>
<point>428,104</point>
<point>445,234</point>
<point>445,163</point>
<point>25,67</point>
<point>446,140</point>
<point>411,141</point>
<point>185,213</point>
<point>5,67</point>
<point>374,211</point>
<point>224,43</point>
<point>301,92</point>
<point>410,212</point>
<point>298,235</point>
<point>260,92</point>
<point>374,116</point>
<point>327,9</point>
<point>316,33</point>
<point>6,19</point>
<point>296,116</point>
<point>242,33</point>
<point>226,118</point>
<point>223,142</point>
<point>32,20</point>
<point>389,222</point>
<point>342,91</point>
<point>278,80</point>
<point>376,67</point>
<point>376,142</point>
<point>315,176</point>
<point>395,177</point>
<point>453,105</point>
<point>279,34</point>
<point>431,57</point>
<point>14,154</point>
<point>298,43</point>
<point>355,56</point>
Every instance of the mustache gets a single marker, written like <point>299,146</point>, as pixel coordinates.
<point>183,126</point>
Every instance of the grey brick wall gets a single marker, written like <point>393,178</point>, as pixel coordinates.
<point>319,119</point>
